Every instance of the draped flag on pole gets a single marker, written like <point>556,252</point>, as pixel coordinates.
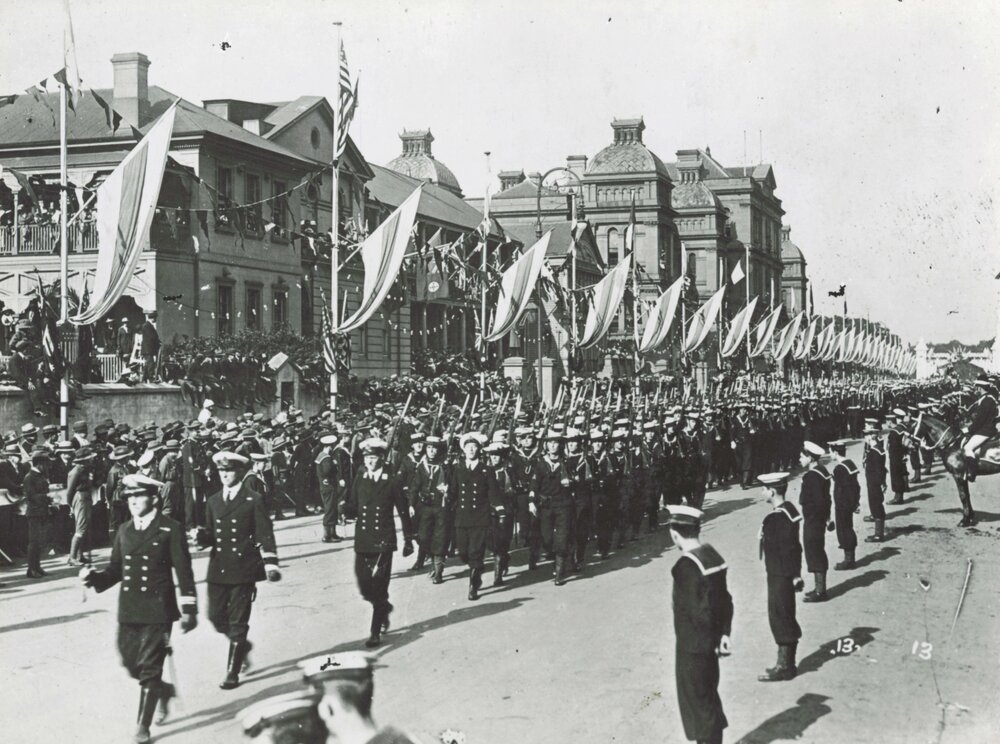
<point>347,101</point>
<point>738,329</point>
<point>607,300</point>
<point>126,202</point>
<point>382,254</point>
<point>701,322</point>
<point>661,317</point>
<point>737,276</point>
<point>70,72</point>
<point>516,286</point>
<point>845,344</point>
<point>765,330</point>
<point>823,339</point>
<point>786,338</point>
<point>833,345</point>
<point>805,343</point>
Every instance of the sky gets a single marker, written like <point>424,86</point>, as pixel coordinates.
<point>879,116</point>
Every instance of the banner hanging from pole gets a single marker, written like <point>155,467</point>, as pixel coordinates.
<point>126,202</point>
<point>516,286</point>
<point>607,299</point>
<point>661,318</point>
<point>765,331</point>
<point>738,329</point>
<point>701,322</point>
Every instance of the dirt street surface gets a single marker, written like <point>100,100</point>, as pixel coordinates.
<point>590,662</point>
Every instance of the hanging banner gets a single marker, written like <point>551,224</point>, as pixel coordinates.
<point>126,201</point>
<point>739,328</point>
<point>765,331</point>
<point>802,350</point>
<point>701,322</point>
<point>786,338</point>
<point>382,254</point>
<point>661,317</point>
<point>607,299</point>
<point>516,285</point>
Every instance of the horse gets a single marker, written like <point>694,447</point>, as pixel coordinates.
<point>947,440</point>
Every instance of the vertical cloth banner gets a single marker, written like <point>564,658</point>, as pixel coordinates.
<point>808,336</point>
<point>786,338</point>
<point>765,331</point>
<point>607,299</point>
<point>701,322</point>
<point>126,202</point>
<point>657,327</point>
<point>516,285</point>
<point>382,254</point>
<point>738,329</point>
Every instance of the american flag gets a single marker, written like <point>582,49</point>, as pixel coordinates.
<point>329,342</point>
<point>348,101</point>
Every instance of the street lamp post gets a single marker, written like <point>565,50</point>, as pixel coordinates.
<point>571,350</point>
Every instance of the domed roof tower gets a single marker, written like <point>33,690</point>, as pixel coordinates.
<point>417,161</point>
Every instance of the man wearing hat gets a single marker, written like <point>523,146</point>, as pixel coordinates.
<point>502,513</point>
<point>38,504</point>
<point>703,617</point>
<point>522,463</point>
<point>79,485</point>
<point>290,718</point>
<point>429,496</point>
<point>374,495</point>
<point>551,499</point>
<point>192,461</point>
<point>814,501</point>
<point>896,456</point>
<point>238,530</point>
<point>846,498</point>
<point>330,484</point>
<point>150,348</point>
<point>79,438</point>
<point>124,341</point>
<point>578,467</point>
<point>472,489</point>
<point>982,423</point>
<point>604,491</point>
<point>347,686</point>
<point>782,555</point>
<point>743,433</point>
<point>148,550</point>
<point>113,492</point>
<point>875,476</point>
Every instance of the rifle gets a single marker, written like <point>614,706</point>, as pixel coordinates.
<point>399,420</point>
<point>454,424</point>
<point>437,416</point>
<point>607,400</point>
<point>472,411</point>
<point>513,421</point>
<point>496,415</point>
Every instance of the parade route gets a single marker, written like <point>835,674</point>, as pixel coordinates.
<point>591,661</point>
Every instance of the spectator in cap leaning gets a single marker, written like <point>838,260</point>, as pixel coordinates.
<point>346,682</point>
<point>703,618</point>
<point>331,484</point>
<point>79,485</point>
<point>35,492</point>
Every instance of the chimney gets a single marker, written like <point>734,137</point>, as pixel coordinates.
<point>417,142</point>
<point>786,233</point>
<point>628,131</point>
<point>510,179</point>
<point>132,87</point>
<point>577,164</point>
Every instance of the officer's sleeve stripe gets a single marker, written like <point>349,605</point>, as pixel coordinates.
<point>265,556</point>
<point>188,600</point>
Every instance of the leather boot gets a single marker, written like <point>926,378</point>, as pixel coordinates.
<point>438,569</point>
<point>167,691</point>
<point>897,498</point>
<point>560,579</point>
<point>773,674</point>
<point>474,582</point>
<point>790,669</point>
<point>879,534</point>
<point>421,558</point>
<point>504,565</point>
<point>532,560</point>
<point>375,634</point>
<point>971,469</point>
<point>818,594</point>
<point>784,669</point>
<point>848,562</point>
<point>147,709</point>
<point>498,571</point>
<point>237,652</point>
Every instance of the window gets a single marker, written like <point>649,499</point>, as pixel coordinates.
<point>252,195</point>
<point>279,318</point>
<point>279,206</point>
<point>314,138</point>
<point>224,186</point>
<point>253,309</point>
<point>306,315</point>
<point>614,247</point>
<point>363,334</point>
<point>224,310</point>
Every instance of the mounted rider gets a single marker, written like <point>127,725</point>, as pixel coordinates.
<point>982,425</point>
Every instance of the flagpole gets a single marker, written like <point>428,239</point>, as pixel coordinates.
<point>746,279</point>
<point>335,226</point>
<point>63,261</point>
<point>483,355</point>
<point>635,299</point>
<point>572,293</point>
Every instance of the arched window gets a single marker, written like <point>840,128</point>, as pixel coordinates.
<point>614,247</point>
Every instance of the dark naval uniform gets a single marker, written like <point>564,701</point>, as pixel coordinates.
<point>473,491</point>
<point>814,499</point>
<point>874,464</point>
<point>703,613</point>
<point>782,554</point>
<point>846,497</point>
<point>374,496</point>
<point>430,500</point>
<point>143,561</point>
<point>896,453</point>
<point>551,492</point>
